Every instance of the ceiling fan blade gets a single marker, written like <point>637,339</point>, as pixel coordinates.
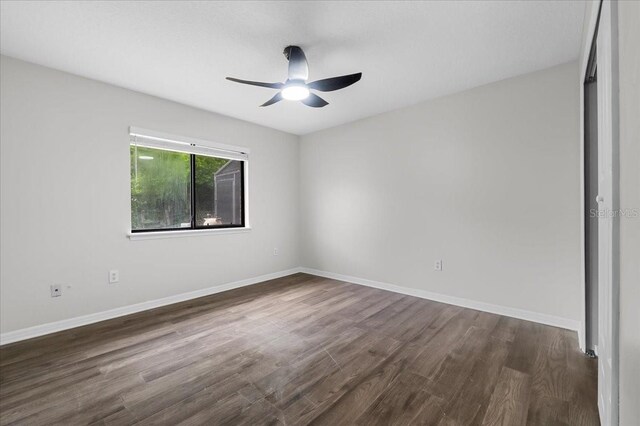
<point>298,66</point>
<point>276,98</point>
<point>334,83</point>
<point>314,101</point>
<point>257,83</point>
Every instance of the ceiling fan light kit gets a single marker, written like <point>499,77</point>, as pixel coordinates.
<point>295,92</point>
<point>296,88</point>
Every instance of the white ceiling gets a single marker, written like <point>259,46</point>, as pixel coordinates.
<point>408,51</point>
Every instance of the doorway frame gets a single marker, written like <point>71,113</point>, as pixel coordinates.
<point>609,192</point>
<point>603,16</point>
<point>589,29</point>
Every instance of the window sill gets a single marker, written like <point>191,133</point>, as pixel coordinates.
<point>135,236</point>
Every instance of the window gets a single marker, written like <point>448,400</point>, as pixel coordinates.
<point>177,184</point>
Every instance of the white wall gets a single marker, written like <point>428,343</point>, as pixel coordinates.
<point>486,180</point>
<point>65,199</point>
<point>629,82</point>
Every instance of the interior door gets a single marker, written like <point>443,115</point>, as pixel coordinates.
<point>607,220</point>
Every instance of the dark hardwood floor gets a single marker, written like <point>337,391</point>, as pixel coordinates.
<point>301,350</point>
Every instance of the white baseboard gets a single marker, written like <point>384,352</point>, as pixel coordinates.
<point>40,330</point>
<point>53,327</point>
<point>582,339</point>
<point>546,319</point>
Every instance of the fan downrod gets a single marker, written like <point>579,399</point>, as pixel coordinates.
<point>287,51</point>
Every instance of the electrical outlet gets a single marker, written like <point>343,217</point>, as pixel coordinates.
<point>437,265</point>
<point>114,276</point>
<point>275,251</point>
<point>56,290</point>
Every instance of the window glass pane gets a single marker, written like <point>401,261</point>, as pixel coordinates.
<point>160,189</point>
<point>218,192</point>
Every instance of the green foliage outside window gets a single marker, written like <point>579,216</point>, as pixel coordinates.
<point>161,188</point>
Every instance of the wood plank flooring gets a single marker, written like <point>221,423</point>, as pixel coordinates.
<point>301,350</point>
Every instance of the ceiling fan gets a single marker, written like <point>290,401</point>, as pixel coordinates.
<point>296,87</point>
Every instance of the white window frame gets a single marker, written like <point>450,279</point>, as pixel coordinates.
<point>160,140</point>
